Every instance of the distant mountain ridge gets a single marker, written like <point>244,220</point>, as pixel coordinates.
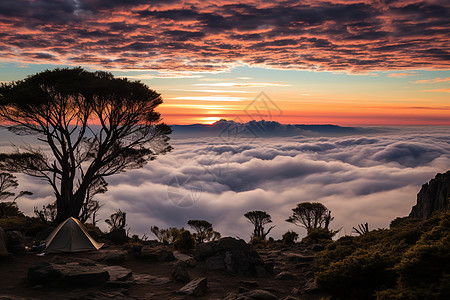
<point>226,128</point>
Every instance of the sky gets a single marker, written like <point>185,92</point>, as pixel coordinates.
<point>339,62</point>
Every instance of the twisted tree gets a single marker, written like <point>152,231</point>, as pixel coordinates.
<point>94,126</point>
<point>204,231</point>
<point>310,215</point>
<point>259,219</point>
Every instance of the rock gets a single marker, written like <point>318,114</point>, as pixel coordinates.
<point>285,276</point>
<point>294,257</point>
<point>310,286</point>
<point>197,287</point>
<point>3,243</point>
<point>180,273</point>
<point>44,273</point>
<point>260,295</point>
<point>118,236</point>
<point>229,254</point>
<point>162,255</point>
<point>15,242</point>
<point>72,274</point>
<point>117,273</point>
<point>189,260</point>
<point>113,256</point>
<point>165,255</point>
<point>433,196</point>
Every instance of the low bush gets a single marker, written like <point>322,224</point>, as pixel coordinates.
<point>318,235</point>
<point>408,261</point>
<point>290,237</point>
<point>185,242</point>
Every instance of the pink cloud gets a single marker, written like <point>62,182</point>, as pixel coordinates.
<point>203,36</point>
<point>434,80</point>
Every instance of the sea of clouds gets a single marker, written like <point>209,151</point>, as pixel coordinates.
<point>370,178</point>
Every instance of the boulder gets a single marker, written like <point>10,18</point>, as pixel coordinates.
<point>44,273</point>
<point>71,274</point>
<point>118,237</point>
<point>180,273</point>
<point>162,255</point>
<point>310,286</point>
<point>113,256</point>
<point>229,254</point>
<point>16,242</point>
<point>433,196</point>
<point>189,260</point>
<point>197,287</point>
<point>285,276</point>
<point>3,243</point>
<point>117,273</point>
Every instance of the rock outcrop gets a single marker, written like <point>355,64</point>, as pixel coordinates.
<point>234,256</point>
<point>432,197</point>
<point>197,287</point>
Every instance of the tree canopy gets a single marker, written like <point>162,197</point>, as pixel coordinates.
<point>204,231</point>
<point>310,215</point>
<point>259,219</point>
<point>94,125</point>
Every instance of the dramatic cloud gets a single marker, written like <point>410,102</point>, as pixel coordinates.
<point>198,36</point>
<point>372,178</point>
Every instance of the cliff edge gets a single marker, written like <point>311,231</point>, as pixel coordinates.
<point>433,196</point>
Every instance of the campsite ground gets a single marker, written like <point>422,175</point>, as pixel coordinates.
<point>152,279</point>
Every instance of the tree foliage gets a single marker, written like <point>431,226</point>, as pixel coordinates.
<point>204,231</point>
<point>166,236</point>
<point>259,219</point>
<point>94,125</point>
<point>310,215</point>
<point>8,183</point>
<point>117,220</point>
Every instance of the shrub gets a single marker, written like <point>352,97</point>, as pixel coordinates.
<point>260,243</point>
<point>318,235</point>
<point>290,237</point>
<point>10,209</point>
<point>185,242</point>
<point>407,261</point>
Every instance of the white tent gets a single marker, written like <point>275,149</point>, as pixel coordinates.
<point>70,236</point>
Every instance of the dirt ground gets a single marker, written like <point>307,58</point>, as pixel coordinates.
<point>152,279</point>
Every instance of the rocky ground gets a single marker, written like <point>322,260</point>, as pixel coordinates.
<point>221,270</point>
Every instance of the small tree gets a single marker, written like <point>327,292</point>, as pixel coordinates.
<point>204,231</point>
<point>259,219</point>
<point>310,215</point>
<point>117,220</point>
